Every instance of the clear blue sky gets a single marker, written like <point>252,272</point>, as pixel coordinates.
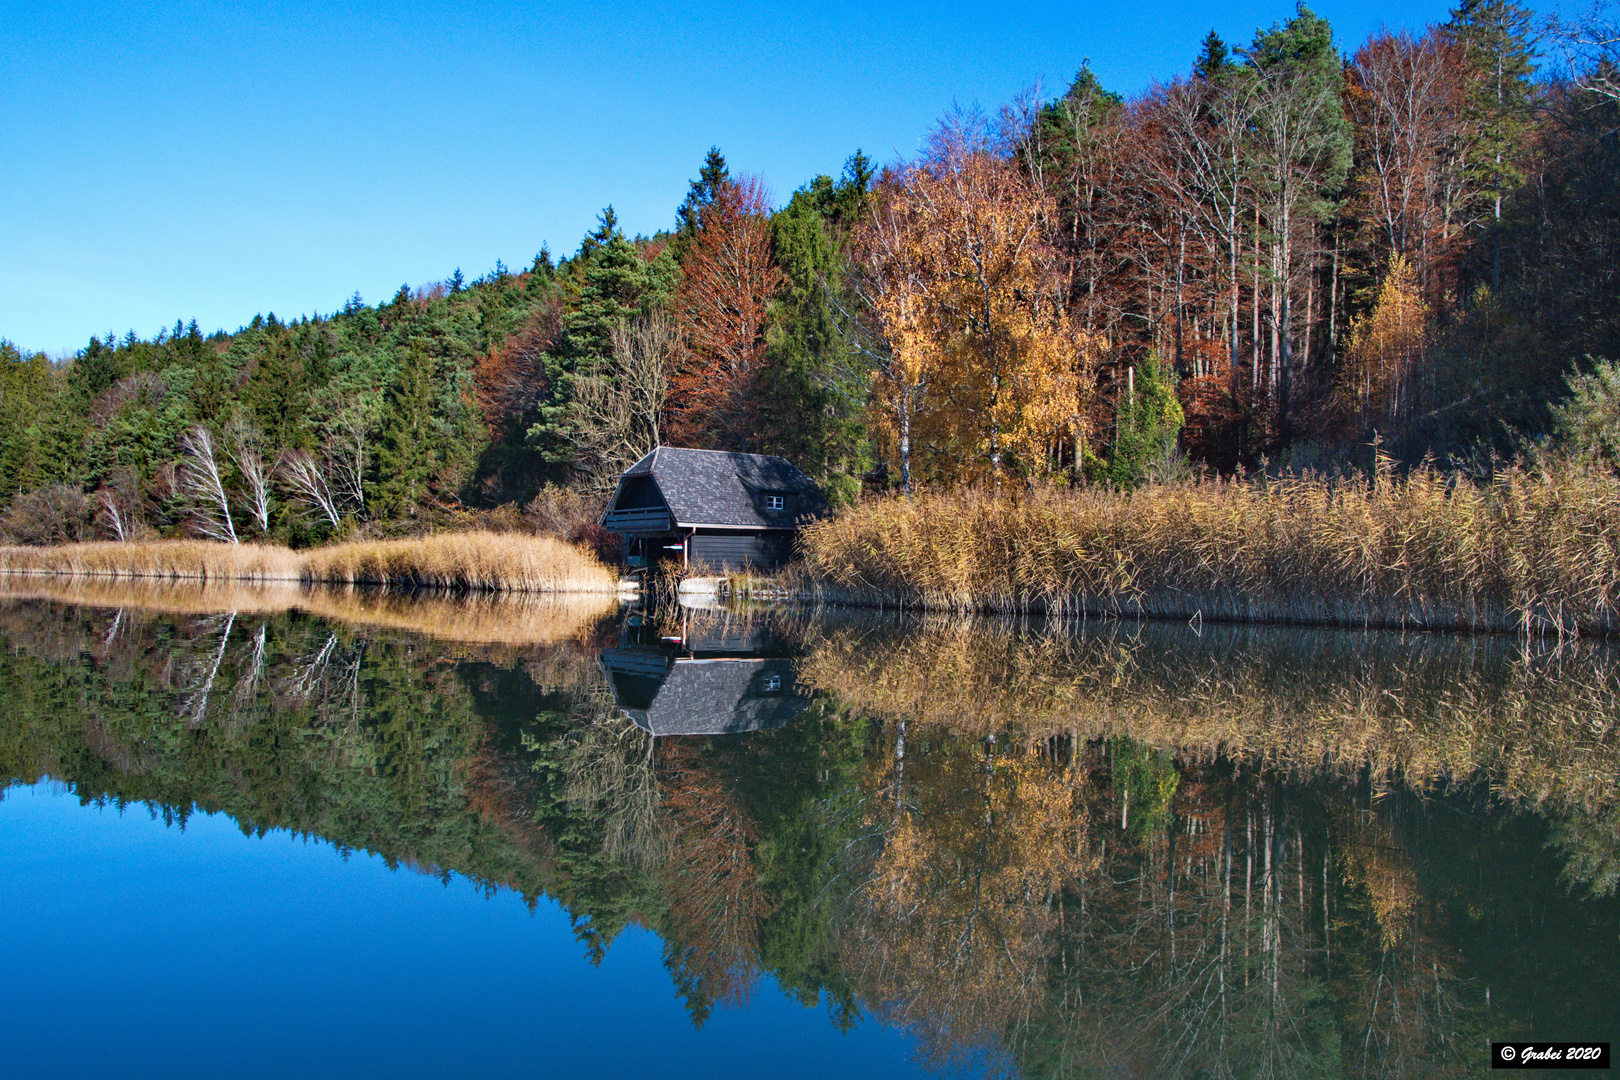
<point>189,159</point>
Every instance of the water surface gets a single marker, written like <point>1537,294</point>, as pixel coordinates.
<point>349,834</point>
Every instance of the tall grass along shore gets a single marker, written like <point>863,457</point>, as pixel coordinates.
<point>1533,549</point>
<point>473,561</point>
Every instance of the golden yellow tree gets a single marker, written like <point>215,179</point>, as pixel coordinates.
<point>984,364</point>
<point>1386,347</point>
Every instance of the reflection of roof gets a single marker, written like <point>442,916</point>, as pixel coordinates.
<point>713,487</point>
<point>665,695</point>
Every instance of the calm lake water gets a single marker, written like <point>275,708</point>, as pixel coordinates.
<point>252,835</point>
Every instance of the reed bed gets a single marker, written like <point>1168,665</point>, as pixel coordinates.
<point>469,562</point>
<point>176,560</point>
<point>1532,550</point>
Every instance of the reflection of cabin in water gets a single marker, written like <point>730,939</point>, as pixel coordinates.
<point>711,509</point>
<point>709,680</point>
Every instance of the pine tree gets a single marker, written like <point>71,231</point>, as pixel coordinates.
<point>711,177</point>
<point>813,385</point>
<point>615,285</point>
<point>1497,40</point>
<point>1214,61</point>
<point>277,395</point>
<point>407,446</point>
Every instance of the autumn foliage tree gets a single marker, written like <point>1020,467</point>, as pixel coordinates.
<point>1386,348</point>
<point>1405,96</point>
<point>966,290</point>
<point>511,378</point>
<point>712,884</point>
<point>722,306</point>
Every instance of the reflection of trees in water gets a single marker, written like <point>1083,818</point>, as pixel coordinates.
<point>1016,903</point>
<point>1043,854</point>
<point>1539,720</point>
<point>361,737</point>
<point>957,910</point>
<point>1403,1004</point>
<point>711,883</point>
<point>1590,844</point>
<point>612,772</point>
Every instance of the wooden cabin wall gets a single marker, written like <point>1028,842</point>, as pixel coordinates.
<point>736,552</point>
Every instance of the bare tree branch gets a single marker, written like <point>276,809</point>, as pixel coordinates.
<point>201,485</point>
<point>308,485</point>
<point>242,445</point>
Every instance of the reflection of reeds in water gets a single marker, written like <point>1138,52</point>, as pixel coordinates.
<point>1536,550</point>
<point>484,618</point>
<point>506,619</point>
<point>476,561</point>
<point>1542,725</point>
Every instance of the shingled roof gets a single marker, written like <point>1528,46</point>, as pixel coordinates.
<point>715,487</point>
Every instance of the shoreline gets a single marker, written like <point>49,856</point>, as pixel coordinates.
<point>480,562</point>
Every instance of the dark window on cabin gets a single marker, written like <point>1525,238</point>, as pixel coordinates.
<point>638,493</point>
<point>774,502</point>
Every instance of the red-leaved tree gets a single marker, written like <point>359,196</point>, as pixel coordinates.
<point>727,282</point>
<point>511,379</point>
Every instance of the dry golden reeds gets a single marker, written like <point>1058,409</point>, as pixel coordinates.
<point>204,560</point>
<point>481,618</point>
<point>476,561</point>
<point>1531,550</point>
<point>473,561</point>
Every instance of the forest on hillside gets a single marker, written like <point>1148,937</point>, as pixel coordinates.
<point>1283,259</point>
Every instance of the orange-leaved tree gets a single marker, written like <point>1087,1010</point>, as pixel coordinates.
<point>965,287</point>
<point>728,280</point>
<point>512,377</point>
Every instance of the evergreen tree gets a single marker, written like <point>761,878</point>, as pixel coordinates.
<point>407,445</point>
<point>1148,420</point>
<point>711,176</point>
<point>277,395</point>
<point>1497,40</point>
<point>1214,61</point>
<point>813,385</point>
<point>614,284</point>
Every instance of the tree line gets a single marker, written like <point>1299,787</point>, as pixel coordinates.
<point>1278,258</point>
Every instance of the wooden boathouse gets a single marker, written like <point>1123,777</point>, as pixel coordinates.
<point>711,509</point>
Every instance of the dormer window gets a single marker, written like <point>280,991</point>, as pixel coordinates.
<point>776,502</point>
